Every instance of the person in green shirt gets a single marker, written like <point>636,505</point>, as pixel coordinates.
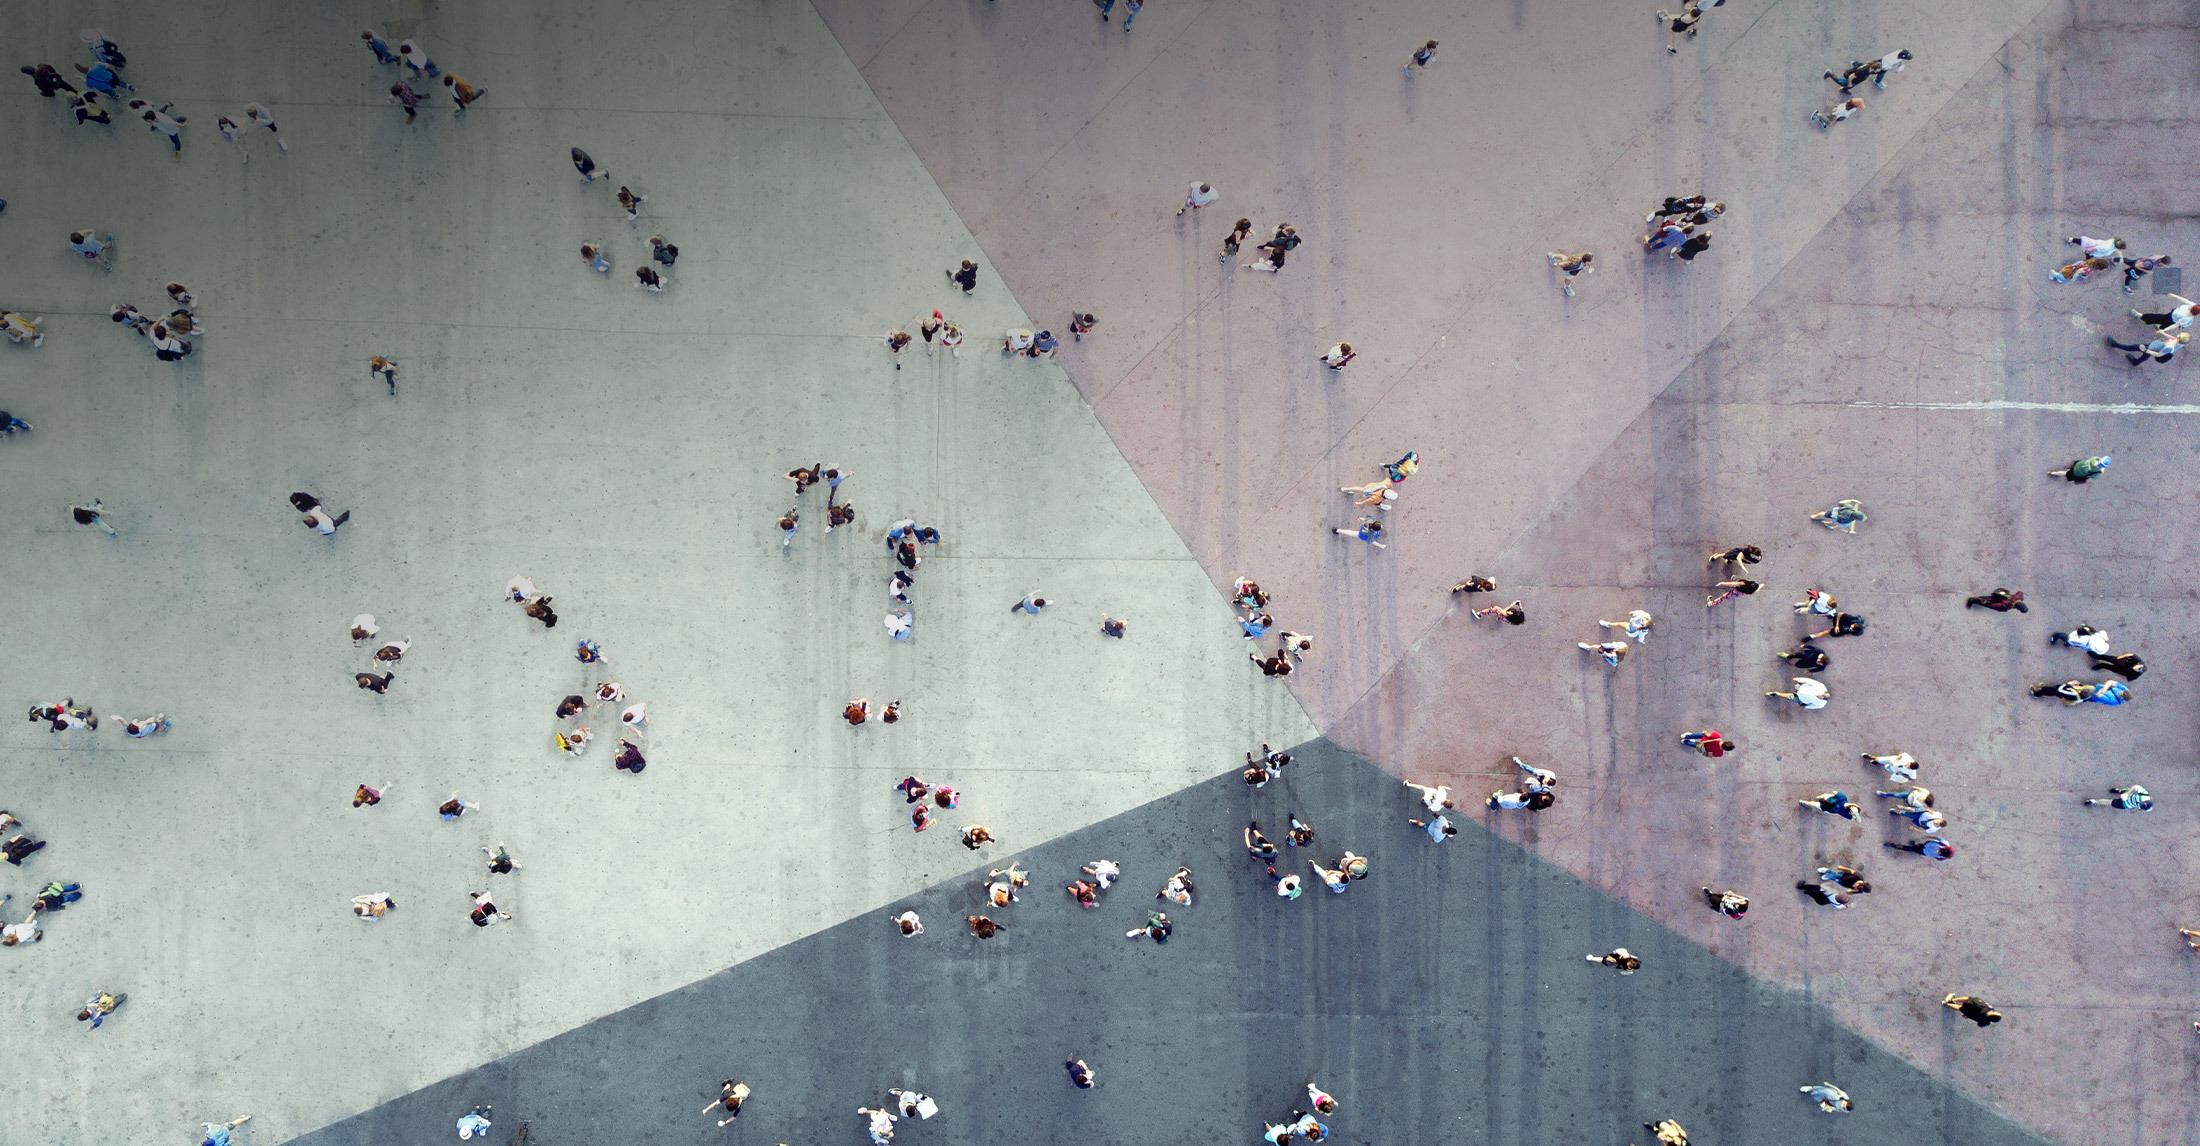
<point>2084,469</point>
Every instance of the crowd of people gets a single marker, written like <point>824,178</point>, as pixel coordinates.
<point>1678,227</point>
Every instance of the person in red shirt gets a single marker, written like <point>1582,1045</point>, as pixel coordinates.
<point>1711,742</point>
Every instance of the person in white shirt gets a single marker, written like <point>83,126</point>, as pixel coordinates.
<point>908,924</point>
<point>635,715</point>
<point>372,906</point>
<point>898,624</point>
<point>1199,196</point>
<point>1338,356</point>
<point>393,651</point>
<point>2085,637</point>
<point>416,58</point>
<point>1811,694</point>
<point>320,522</point>
<point>1179,888</point>
<point>1017,340</point>
<point>1104,872</point>
<point>1436,798</point>
<point>94,249</point>
<point>1438,828</point>
<point>144,726</point>
<point>1613,652</point>
<point>24,932</point>
<point>1826,117</point>
<point>259,114</point>
<point>2180,315</point>
<point>1538,779</point>
<point>1900,767</point>
<point>2110,248</point>
<point>1636,626</point>
<point>1830,1098</point>
<point>363,627</point>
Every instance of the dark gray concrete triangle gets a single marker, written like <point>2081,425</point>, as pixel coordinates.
<point>1445,998</point>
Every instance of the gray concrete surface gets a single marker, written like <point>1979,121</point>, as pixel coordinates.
<point>622,449</point>
<point>1444,998</point>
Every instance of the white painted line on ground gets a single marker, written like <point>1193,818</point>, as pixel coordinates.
<point>2056,407</point>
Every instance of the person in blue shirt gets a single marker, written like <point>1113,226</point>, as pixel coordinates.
<point>104,80</point>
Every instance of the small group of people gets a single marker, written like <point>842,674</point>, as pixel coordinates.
<point>166,334</point>
<point>415,65</point>
<point>1272,253</point>
<point>1378,495</point>
<point>1680,226</point>
<point>1254,621</point>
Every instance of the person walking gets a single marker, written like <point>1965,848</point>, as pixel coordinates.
<point>372,906</point>
<point>1131,9</point>
<point>1824,118</point>
<point>1421,59</point>
<point>2083,470</point>
<point>731,1095</point>
<point>631,203</point>
<point>1848,877</point>
<point>1846,515</point>
<point>416,58</point>
<point>93,249</point>
<point>1973,1008</point>
<point>1030,603</point>
<point>1831,1099</point>
<point>1711,742</point>
<point>966,277</point>
<point>1199,196</point>
<point>162,123</point>
<point>485,912</point>
<point>1901,767</point>
<point>1932,847</point>
<point>1831,804</point>
<point>143,726</point>
<point>93,514</point>
<point>403,95</point>
<point>2085,637</point>
<point>1679,24</point>
<point>2162,347</point>
<point>102,1004</point>
<point>463,95</point>
<point>1817,893</point>
<point>1157,928</point>
<point>367,795</point>
<point>48,79</point>
<point>1730,903</point>
<point>2180,316</point>
<point>1636,627</point>
<point>2139,268</point>
<point>259,114</point>
<point>1370,531</point>
<point>1731,589</point>
<point>1619,959</point>
<point>1573,266</point>
<point>1231,242</point>
<point>2092,248</point>
<point>1080,1075</point>
<point>2000,601</point>
<point>1841,625</point>
<point>2133,798</point>
<point>1513,613</point>
<point>383,368</point>
<point>1338,356</point>
<point>1613,652</point>
<point>217,1133</point>
<point>454,807</point>
<point>587,166</point>
<point>379,47</point>
<point>500,859</point>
